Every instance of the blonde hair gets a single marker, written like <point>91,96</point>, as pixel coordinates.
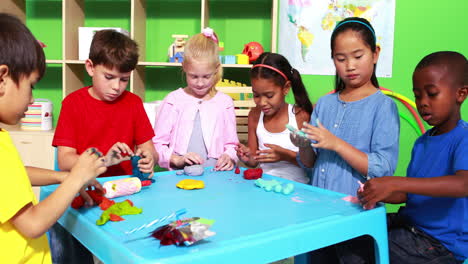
<point>199,47</point>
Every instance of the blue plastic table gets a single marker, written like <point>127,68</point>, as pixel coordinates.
<point>252,225</point>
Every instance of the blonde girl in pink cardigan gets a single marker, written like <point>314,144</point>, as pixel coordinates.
<point>197,124</point>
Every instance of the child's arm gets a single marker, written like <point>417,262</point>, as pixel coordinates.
<point>66,157</point>
<point>42,177</point>
<point>34,220</point>
<point>391,189</point>
<point>246,154</point>
<point>326,140</point>
<point>275,153</point>
<point>243,153</point>
<point>383,155</point>
<point>165,125</point>
<point>229,138</point>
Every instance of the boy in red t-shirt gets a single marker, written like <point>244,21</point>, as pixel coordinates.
<point>105,115</point>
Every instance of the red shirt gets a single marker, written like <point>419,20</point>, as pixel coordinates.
<point>86,122</point>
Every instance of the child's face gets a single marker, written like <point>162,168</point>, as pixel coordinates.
<point>268,95</point>
<point>353,59</point>
<point>108,84</point>
<point>437,100</point>
<point>200,77</point>
<point>14,98</point>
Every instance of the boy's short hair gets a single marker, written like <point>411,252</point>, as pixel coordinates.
<point>455,64</point>
<point>113,49</point>
<point>19,49</point>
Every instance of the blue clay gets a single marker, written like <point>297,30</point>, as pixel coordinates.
<point>274,185</point>
<point>136,171</point>
<point>288,189</point>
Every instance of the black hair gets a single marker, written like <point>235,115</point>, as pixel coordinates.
<point>280,63</point>
<point>455,63</point>
<point>367,33</point>
<point>113,49</point>
<point>19,49</point>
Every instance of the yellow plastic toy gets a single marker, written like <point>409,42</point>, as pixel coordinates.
<point>242,59</point>
<point>189,184</point>
<point>231,83</point>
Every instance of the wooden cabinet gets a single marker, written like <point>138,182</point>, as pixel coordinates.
<point>35,149</point>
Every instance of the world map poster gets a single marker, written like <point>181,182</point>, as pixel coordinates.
<point>305,28</point>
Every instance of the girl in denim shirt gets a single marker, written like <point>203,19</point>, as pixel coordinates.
<point>354,131</point>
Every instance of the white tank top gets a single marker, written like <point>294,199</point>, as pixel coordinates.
<point>283,169</point>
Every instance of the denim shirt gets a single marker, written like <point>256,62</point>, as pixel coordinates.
<point>371,125</point>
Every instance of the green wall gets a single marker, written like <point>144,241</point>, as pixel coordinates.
<point>421,27</point>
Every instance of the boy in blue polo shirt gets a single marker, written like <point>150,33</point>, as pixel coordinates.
<point>433,226</point>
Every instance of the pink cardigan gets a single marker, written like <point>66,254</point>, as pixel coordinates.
<point>174,124</point>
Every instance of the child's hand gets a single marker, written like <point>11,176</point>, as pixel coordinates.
<point>299,141</point>
<point>324,138</point>
<point>88,166</point>
<point>243,152</point>
<point>192,158</point>
<point>273,154</point>
<point>146,163</point>
<point>118,153</point>
<point>88,201</point>
<point>224,163</point>
<point>376,190</point>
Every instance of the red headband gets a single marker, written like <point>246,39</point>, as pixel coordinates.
<point>271,68</point>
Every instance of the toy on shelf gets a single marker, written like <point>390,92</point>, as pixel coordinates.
<point>242,59</point>
<point>253,174</point>
<point>253,50</point>
<point>192,170</point>
<point>229,59</point>
<point>274,185</point>
<point>189,184</point>
<point>39,116</point>
<point>176,49</point>
<point>85,37</point>
<point>235,96</point>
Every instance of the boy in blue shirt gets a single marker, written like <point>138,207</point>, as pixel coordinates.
<point>433,226</point>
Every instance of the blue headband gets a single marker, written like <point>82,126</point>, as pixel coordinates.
<point>356,21</point>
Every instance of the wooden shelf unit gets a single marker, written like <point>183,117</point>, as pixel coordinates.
<point>143,19</point>
<point>73,16</point>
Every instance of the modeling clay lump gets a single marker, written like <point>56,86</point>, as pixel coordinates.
<point>253,174</point>
<point>193,170</point>
<point>274,185</point>
<point>115,211</point>
<point>189,184</point>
